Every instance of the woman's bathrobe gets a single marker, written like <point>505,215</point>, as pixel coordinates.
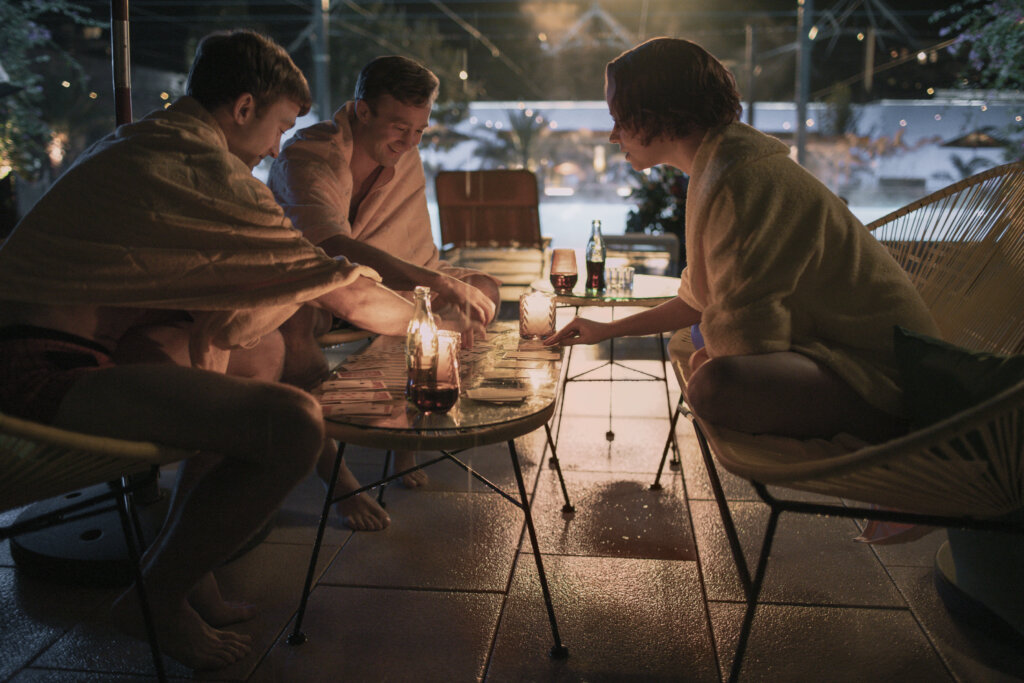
<point>776,262</point>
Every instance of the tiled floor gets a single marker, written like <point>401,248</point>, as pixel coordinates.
<point>643,583</point>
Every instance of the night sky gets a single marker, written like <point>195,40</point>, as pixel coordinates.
<point>537,56</point>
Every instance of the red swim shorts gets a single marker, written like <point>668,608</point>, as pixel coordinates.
<point>39,365</point>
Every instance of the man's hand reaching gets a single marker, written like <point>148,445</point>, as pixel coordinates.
<point>453,293</point>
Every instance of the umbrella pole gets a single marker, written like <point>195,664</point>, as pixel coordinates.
<point>121,61</point>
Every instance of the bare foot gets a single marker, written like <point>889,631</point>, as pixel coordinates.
<point>206,599</point>
<point>361,512</point>
<point>404,460</point>
<point>180,630</point>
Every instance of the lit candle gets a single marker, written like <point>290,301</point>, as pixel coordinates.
<point>448,344</point>
<point>536,315</point>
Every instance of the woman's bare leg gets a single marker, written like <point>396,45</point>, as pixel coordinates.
<point>784,393</point>
<point>259,440</point>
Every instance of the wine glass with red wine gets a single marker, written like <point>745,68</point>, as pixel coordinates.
<point>563,270</point>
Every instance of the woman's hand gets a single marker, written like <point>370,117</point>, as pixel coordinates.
<point>579,331</point>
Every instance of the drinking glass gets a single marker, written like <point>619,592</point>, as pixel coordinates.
<point>536,315</point>
<point>441,394</point>
<point>563,270</point>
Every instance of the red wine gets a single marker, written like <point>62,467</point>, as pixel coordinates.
<point>595,275</point>
<point>563,282</point>
<point>434,398</point>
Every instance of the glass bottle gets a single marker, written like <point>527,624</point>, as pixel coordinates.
<point>421,347</point>
<point>595,258</point>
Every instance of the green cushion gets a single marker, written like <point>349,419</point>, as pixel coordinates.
<point>940,379</point>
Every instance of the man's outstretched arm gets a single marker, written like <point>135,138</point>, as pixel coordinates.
<point>404,275</point>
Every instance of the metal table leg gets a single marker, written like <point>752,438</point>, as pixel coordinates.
<point>298,637</point>
<point>558,650</point>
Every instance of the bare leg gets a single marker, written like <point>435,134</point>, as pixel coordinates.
<point>360,513</point>
<point>305,365</point>
<point>208,602</point>
<point>205,598</point>
<point>784,393</point>
<point>403,461</point>
<point>266,437</point>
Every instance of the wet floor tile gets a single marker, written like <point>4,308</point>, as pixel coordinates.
<point>365,634</point>
<point>813,560</point>
<point>796,643</point>
<point>37,613</point>
<point>621,620</point>
<point>270,576</point>
<point>974,656</point>
<point>436,540</point>
<point>616,516</point>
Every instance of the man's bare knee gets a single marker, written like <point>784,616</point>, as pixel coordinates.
<point>289,428</point>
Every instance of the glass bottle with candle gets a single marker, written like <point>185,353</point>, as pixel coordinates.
<point>595,258</point>
<point>421,349</point>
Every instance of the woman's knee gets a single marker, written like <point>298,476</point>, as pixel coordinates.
<point>713,388</point>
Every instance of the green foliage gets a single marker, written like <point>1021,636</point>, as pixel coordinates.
<point>990,35</point>
<point>28,53</point>
<point>661,204</point>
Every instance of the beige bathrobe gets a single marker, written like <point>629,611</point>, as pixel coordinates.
<point>312,181</point>
<point>159,214</point>
<point>776,262</point>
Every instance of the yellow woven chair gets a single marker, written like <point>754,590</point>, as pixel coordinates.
<point>963,248</point>
<point>38,461</point>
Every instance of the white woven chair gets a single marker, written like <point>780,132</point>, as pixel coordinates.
<point>38,461</point>
<point>964,250</point>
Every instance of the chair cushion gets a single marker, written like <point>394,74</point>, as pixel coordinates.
<point>940,379</point>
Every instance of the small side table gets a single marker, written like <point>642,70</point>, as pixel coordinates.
<point>648,291</point>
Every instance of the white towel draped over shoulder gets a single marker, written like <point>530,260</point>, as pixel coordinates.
<point>312,180</point>
<point>159,214</point>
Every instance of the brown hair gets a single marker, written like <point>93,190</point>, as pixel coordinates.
<point>406,80</point>
<point>230,63</point>
<point>670,87</point>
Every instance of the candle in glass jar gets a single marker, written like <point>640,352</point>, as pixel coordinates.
<point>536,315</point>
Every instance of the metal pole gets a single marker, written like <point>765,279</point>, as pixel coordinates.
<point>869,59</point>
<point>750,67</point>
<point>804,20</point>
<point>321,61</point>
<point>120,55</point>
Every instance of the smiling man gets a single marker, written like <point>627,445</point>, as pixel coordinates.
<point>355,187</point>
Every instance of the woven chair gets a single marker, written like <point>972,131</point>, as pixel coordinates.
<point>39,462</point>
<point>490,221</point>
<point>963,248</point>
